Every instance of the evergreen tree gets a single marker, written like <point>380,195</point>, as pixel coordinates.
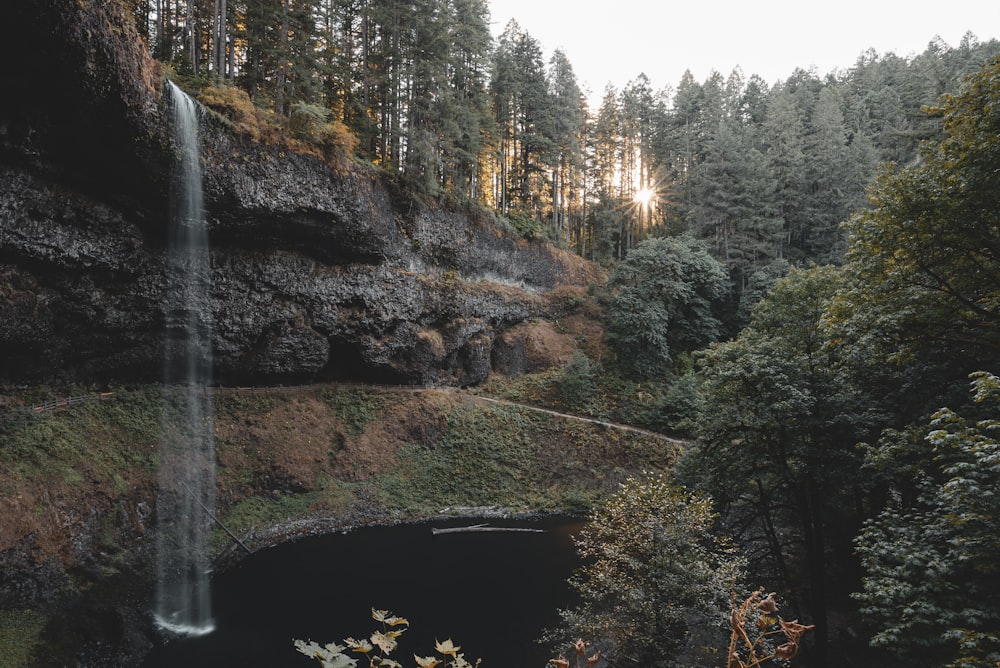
<point>428,112</point>
<point>605,218</point>
<point>783,141</point>
<point>637,160</point>
<point>605,137</point>
<point>565,128</point>
<point>282,56</point>
<point>832,190</point>
<point>521,105</point>
<point>468,123</point>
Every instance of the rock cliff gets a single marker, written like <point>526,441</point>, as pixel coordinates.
<point>318,273</point>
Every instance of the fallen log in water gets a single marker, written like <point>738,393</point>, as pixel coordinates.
<point>482,527</point>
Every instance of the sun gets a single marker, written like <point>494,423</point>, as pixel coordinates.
<point>644,196</point>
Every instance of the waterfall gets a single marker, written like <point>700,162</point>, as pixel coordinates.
<point>186,497</point>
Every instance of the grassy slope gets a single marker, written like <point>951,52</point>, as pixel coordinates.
<point>78,485</point>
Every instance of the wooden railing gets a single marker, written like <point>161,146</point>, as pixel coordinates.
<point>56,404</point>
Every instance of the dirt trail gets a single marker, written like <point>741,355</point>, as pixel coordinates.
<point>570,416</point>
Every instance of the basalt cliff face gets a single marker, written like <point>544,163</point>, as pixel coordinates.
<point>319,273</point>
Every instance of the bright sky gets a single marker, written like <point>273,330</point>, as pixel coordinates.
<point>616,40</point>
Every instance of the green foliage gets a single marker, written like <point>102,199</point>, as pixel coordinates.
<point>924,257</point>
<point>656,580</point>
<point>356,407</point>
<point>305,120</point>
<point>115,440</point>
<point>314,125</point>
<point>379,646</point>
<point>309,128</point>
<point>237,404</point>
<point>260,512</point>
<point>759,283</point>
<point>932,584</point>
<point>20,635</point>
<point>578,383</point>
<point>662,303</point>
<point>777,430</point>
<point>484,458</point>
<point>668,406</point>
<point>524,223</point>
<point>234,104</point>
<point>778,382</point>
<point>676,409</point>
<point>500,455</point>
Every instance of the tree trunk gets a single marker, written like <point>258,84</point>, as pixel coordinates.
<point>810,513</point>
<point>217,37</point>
<point>192,36</point>
<point>771,534</point>
<point>281,77</point>
<point>555,198</point>
<point>224,40</point>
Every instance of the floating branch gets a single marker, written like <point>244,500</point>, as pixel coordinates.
<point>482,527</point>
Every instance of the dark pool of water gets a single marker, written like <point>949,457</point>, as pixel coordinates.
<point>491,593</point>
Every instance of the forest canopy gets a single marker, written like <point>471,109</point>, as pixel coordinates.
<point>763,173</point>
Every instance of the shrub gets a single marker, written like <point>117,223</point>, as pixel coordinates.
<point>524,223</point>
<point>656,581</point>
<point>578,384</point>
<point>235,105</point>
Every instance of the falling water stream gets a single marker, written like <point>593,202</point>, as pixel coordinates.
<point>186,495</point>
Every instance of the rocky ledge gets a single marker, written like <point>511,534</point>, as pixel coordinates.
<point>318,272</point>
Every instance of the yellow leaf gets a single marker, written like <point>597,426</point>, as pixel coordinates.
<point>383,642</point>
<point>362,646</point>
<point>460,662</point>
<point>387,617</point>
<point>446,647</point>
<point>427,661</point>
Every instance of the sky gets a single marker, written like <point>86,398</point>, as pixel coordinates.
<point>616,40</point>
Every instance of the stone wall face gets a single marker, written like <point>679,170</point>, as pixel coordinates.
<point>318,273</point>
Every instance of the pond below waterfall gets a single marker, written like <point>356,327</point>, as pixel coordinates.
<point>492,593</point>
